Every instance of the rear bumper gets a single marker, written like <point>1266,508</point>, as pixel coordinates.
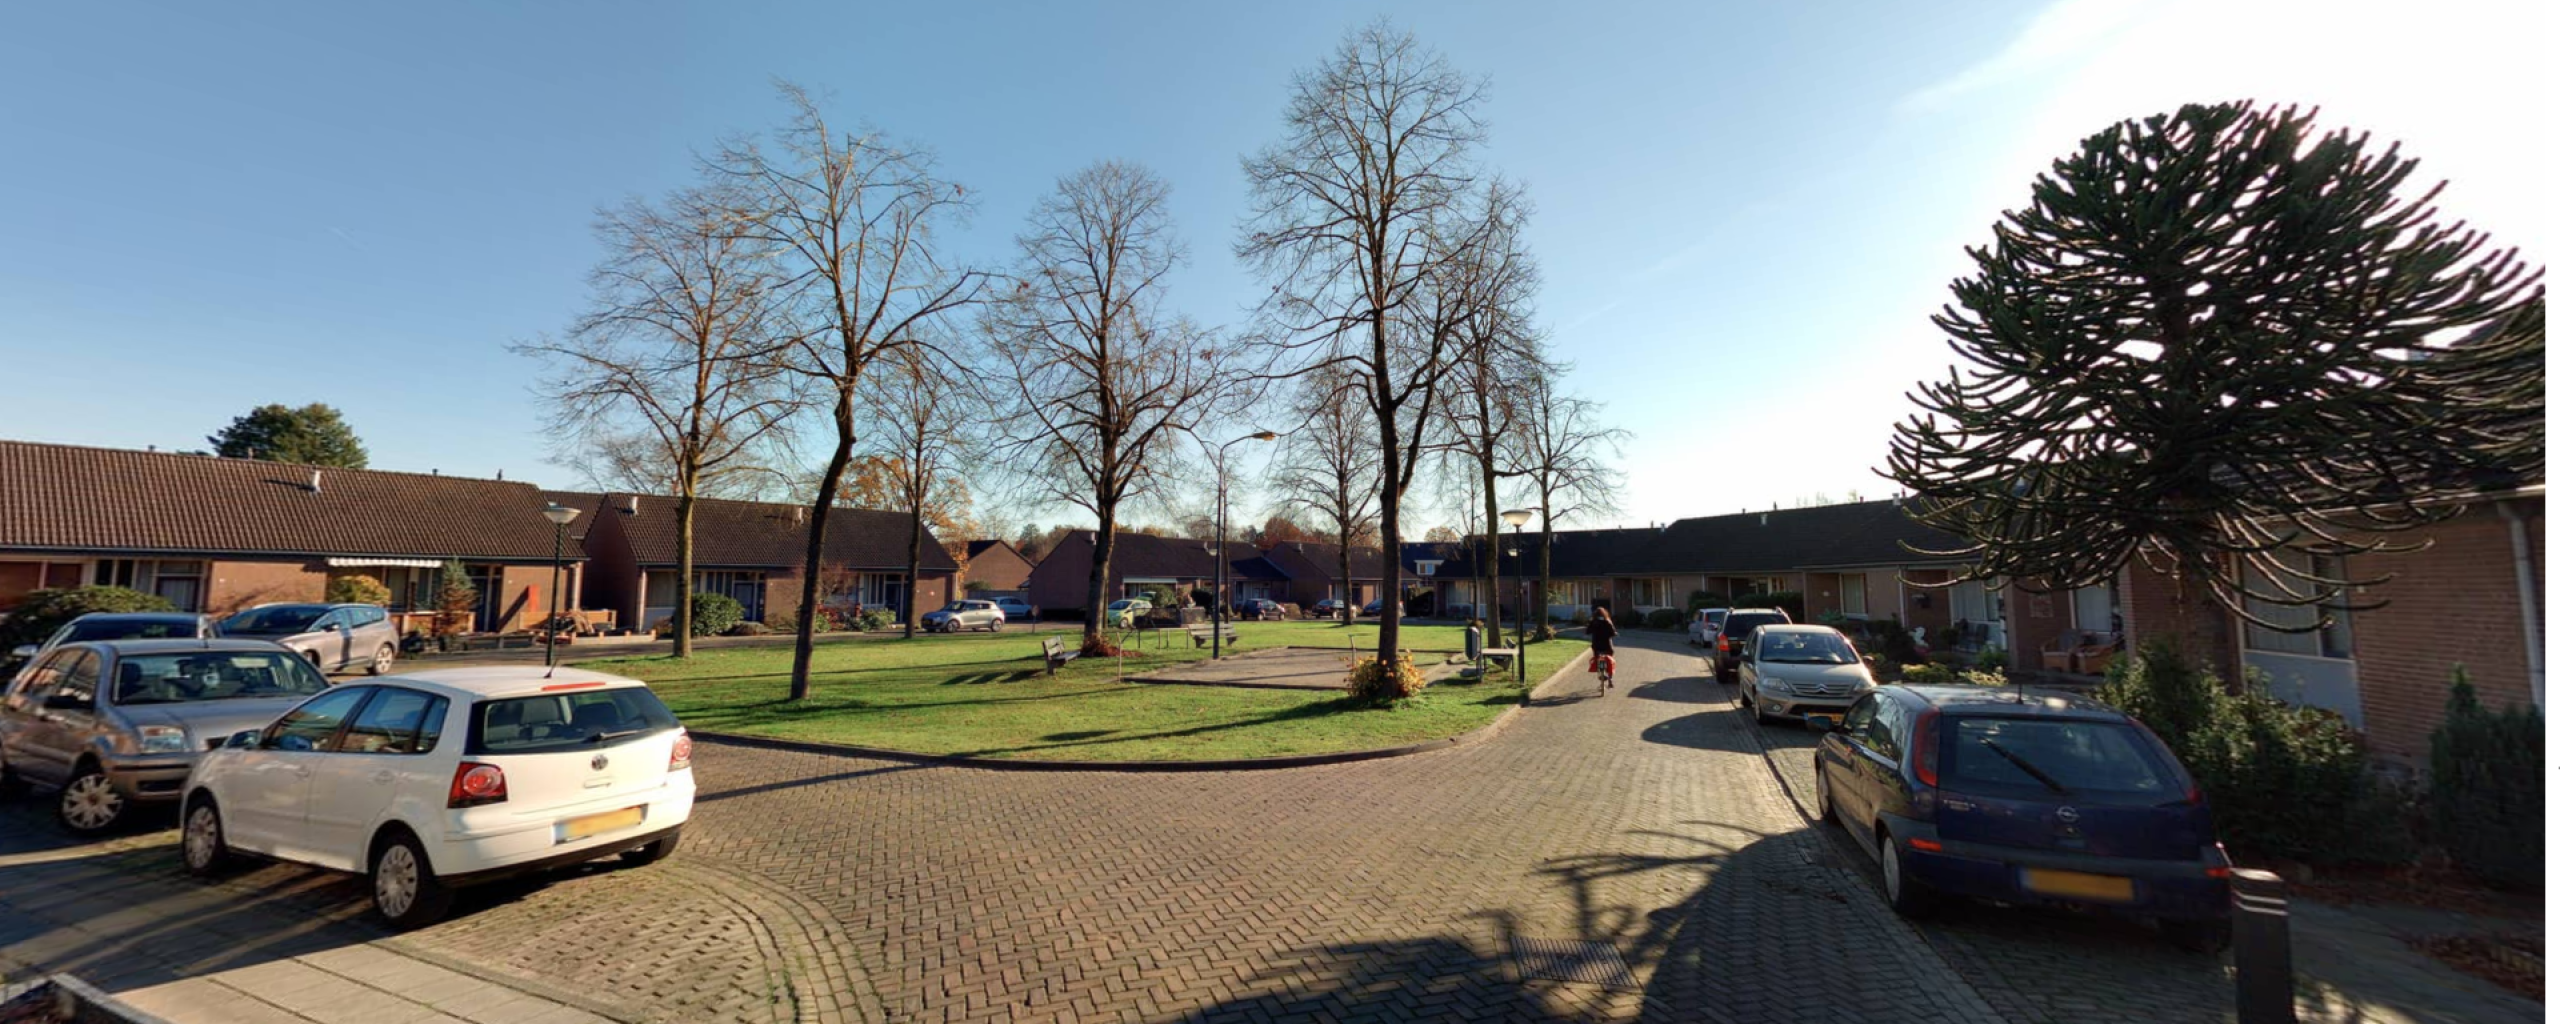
<point>580,855</point>
<point>2176,889</point>
<point>533,844</point>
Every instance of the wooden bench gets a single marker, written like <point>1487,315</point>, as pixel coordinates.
<point>1501,654</point>
<point>1055,652</point>
<point>1200,634</point>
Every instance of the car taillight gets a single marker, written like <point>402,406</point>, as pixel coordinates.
<point>475,783</point>
<point>1724,645</point>
<point>1924,748</point>
<point>680,757</point>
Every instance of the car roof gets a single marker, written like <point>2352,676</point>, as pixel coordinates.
<point>166,645</point>
<point>488,681</point>
<point>2012,701</point>
<point>1780,612</point>
<point>1798,627</point>
<point>135,616</point>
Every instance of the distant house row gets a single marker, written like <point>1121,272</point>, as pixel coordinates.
<point>215,535</point>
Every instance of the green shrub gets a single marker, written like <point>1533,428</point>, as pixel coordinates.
<point>1928,672</point>
<point>1895,641</point>
<point>2485,788</point>
<point>358,589</point>
<point>1708,599</point>
<point>2284,781</point>
<point>43,611</point>
<point>1663,618</point>
<point>746,627</point>
<point>713,614</point>
<point>1992,659</point>
<point>1375,683</point>
<point>875,618</point>
<point>457,600</point>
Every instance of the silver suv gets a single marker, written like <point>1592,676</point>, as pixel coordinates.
<point>110,724</point>
<point>335,637</point>
<point>966,614</point>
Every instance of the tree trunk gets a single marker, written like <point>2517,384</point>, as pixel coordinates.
<point>684,570</point>
<point>1489,567</point>
<point>814,562</point>
<point>1350,614</point>
<point>1095,602</point>
<point>915,564</point>
<point>1546,541</point>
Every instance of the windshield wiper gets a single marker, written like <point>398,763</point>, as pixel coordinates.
<point>612,735</point>
<point>2028,767</point>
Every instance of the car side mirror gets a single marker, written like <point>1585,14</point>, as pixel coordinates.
<point>329,627</point>
<point>23,651</point>
<point>245,739</point>
<point>66,702</point>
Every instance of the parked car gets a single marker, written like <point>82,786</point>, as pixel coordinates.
<point>108,725</point>
<point>2024,796</point>
<point>1015,608</point>
<point>1127,611</point>
<point>111,626</point>
<point>335,637</point>
<point>1704,625</point>
<point>1261,608</point>
<point>1724,653</point>
<point>964,614</point>
<point>1373,609</point>
<point>435,781</point>
<point>1329,608</point>
<point>1807,672</point>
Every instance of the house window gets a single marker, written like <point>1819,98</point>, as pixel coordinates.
<point>2093,608</point>
<point>744,587</point>
<point>180,582</point>
<point>2336,640</point>
<point>883,590</point>
<point>1969,602</point>
<point>1853,595</point>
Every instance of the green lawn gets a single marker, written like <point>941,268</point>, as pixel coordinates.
<point>985,695</point>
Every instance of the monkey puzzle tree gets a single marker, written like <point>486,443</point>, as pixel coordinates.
<point>2220,342</point>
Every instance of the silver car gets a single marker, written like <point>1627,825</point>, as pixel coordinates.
<point>335,637</point>
<point>110,626</point>
<point>1807,672</point>
<point>111,724</point>
<point>965,614</point>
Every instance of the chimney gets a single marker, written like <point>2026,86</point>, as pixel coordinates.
<point>631,504</point>
<point>1764,519</point>
<point>502,474</point>
<point>315,481</point>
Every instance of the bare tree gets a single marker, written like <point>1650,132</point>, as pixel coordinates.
<point>1355,212</point>
<point>1328,468</point>
<point>679,348</point>
<point>632,461</point>
<point>1501,353</point>
<point>1563,455</point>
<point>854,216</point>
<point>1097,380</point>
<point>923,430</point>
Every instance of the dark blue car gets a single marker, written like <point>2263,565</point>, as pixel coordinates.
<point>2024,796</point>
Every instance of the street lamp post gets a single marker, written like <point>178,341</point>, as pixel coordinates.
<point>1516,518</point>
<point>560,516</point>
<point>1218,615</point>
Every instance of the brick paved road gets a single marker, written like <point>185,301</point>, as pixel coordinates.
<point>1439,887</point>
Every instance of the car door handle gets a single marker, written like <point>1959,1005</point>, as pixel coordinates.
<point>383,777</point>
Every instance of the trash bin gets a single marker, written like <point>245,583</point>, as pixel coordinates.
<point>1475,641</point>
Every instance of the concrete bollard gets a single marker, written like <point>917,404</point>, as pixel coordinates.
<point>2261,947</point>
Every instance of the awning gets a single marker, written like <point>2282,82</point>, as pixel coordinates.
<point>392,563</point>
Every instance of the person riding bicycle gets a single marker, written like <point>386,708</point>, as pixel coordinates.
<point>1604,647</point>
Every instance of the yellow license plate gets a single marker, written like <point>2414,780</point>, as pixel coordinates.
<point>576,829</point>
<point>2074,885</point>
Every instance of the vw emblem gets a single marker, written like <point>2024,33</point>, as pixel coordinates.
<point>599,763</point>
<point>2067,815</point>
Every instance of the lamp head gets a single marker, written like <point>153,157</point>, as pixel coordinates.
<point>1517,518</point>
<point>559,514</point>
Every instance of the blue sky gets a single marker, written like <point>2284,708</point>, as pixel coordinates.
<point>1746,212</point>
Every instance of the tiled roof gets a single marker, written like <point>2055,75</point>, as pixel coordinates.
<point>1147,556</point>
<point>1316,560</point>
<point>1860,533</point>
<point>769,535</point>
<point>65,497</point>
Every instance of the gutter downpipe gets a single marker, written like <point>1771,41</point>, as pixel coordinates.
<point>2526,598</point>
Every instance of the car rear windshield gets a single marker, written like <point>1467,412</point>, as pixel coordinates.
<point>2027,756</point>
<point>213,675</point>
<point>282,620</point>
<point>130,629</point>
<point>578,720</point>
<point>1740,624</point>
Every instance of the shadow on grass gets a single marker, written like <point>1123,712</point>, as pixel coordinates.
<point>785,710</point>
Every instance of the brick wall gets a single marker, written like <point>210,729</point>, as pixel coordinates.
<point>235,585</point>
<point>1821,594</point>
<point>1934,616</point>
<point>2453,602</point>
<point>2154,606</point>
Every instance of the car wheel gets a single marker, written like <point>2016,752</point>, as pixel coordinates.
<point>654,852</point>
<point>1822,807</point>
<point>201,844</point>
<point>382,660</point>
<point>405,890</point>
<point>1910,897</point>
<point>2207,935</point>
<point>89,803</point>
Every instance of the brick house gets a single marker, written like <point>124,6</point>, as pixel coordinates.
<point>1314,572</point>
<point>995,569</point>
<point>2470,596</point>
<point>751,551</point>
<point>1139,561</point>
<point>215,535</point>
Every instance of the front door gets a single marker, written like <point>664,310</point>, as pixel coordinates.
<point>268,806</point>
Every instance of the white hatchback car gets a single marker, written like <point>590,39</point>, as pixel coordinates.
<point>436,780</point>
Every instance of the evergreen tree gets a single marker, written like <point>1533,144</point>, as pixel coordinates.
<point>313,435</point>
<point>2214,339</point>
